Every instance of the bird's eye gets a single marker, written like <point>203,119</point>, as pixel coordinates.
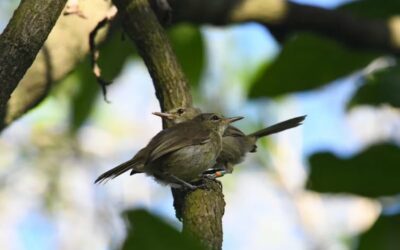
<point>180,111</point>
<point>215,118</point>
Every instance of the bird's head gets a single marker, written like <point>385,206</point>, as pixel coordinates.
<point>179,115</point>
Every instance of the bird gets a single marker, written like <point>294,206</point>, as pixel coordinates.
<point>178,155</point>
<point>235,143</point>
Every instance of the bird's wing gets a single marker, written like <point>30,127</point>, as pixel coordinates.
<point>233,131</point>
<point>177,137</point>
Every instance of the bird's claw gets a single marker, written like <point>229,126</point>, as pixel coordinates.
<point>215,174</point>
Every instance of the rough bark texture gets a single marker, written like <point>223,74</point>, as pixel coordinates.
<point>142,27</point>
<point>197,213</point>
<point>57,58</point>
<point>21,41</point>
<point>202,209</point>
<point>280,16</point>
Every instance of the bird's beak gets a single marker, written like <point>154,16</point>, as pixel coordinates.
<point>164,115</point>
<point>234,119</point>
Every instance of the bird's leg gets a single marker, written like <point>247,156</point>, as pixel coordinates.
<point>214,173</point>
<point>182,182</point>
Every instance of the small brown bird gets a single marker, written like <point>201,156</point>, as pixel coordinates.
<point>235,144</point>
<point>180,154</point>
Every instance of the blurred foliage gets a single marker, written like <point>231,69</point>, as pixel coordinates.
<point>84,97</point>
<point>187,42</point>
<point>373,8</point>
<point>383,235</point>
<point>382,87</point>
<point>374,172</point>
<point>308,61</point>
<point>148,232</point>
<point>114,53</point>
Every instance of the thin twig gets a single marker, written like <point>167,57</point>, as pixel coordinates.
<point>94,52</point>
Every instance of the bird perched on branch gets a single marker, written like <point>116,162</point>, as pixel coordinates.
<point>180,154</point>
<point>235,144</point>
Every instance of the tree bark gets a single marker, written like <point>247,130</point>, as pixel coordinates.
<point>201,209</point>
<point>65,47</point>
<point>21,41</point>
<point>284,17</point>
<point>280,16</point>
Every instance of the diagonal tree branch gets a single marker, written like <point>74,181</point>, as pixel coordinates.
<point>57,58</point>
<point>21,41</point>
<point>201,209</point>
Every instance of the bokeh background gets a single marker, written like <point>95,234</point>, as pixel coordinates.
<point>329,184</point>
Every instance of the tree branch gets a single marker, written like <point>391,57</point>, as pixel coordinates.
<point>280,16</point>
<point>21,41</point>
<point>284,17</point>
<point>153,45</point>
<point>202,209</point>
<point>65,47</point>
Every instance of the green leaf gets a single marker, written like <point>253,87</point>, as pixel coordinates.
<point>373,8</point>
<point>306,62</point>
<point>382,87</point>
<point>188,45</point>
<point>114,53</point>
<point>83,100</point>
<point>373,172</point>
<point>148,232</point>
<point>383,235</point>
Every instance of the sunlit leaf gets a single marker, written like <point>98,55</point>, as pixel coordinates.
<point>383,235</point>
<point>148,232</point>
<point>383,87</point>
<point>306,62</point>
<point>373,172</point>
<point>188,45</point>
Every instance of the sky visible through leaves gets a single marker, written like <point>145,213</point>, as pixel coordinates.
<point>285,213</point>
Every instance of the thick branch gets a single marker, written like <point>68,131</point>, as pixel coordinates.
<point>57,58</point>
<point>21,41</point>
<point>280,16</point>
<point>201,210</point>
<point>284,17</point>
<point>153,45</point>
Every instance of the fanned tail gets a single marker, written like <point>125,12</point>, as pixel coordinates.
<point>291,123</point>
<point>118,170</point>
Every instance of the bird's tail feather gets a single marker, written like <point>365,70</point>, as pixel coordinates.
<point>291,123</point>
<point>118,170</point>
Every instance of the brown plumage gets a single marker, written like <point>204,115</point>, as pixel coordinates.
<point>235,144</point>
<point>179,154</point>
